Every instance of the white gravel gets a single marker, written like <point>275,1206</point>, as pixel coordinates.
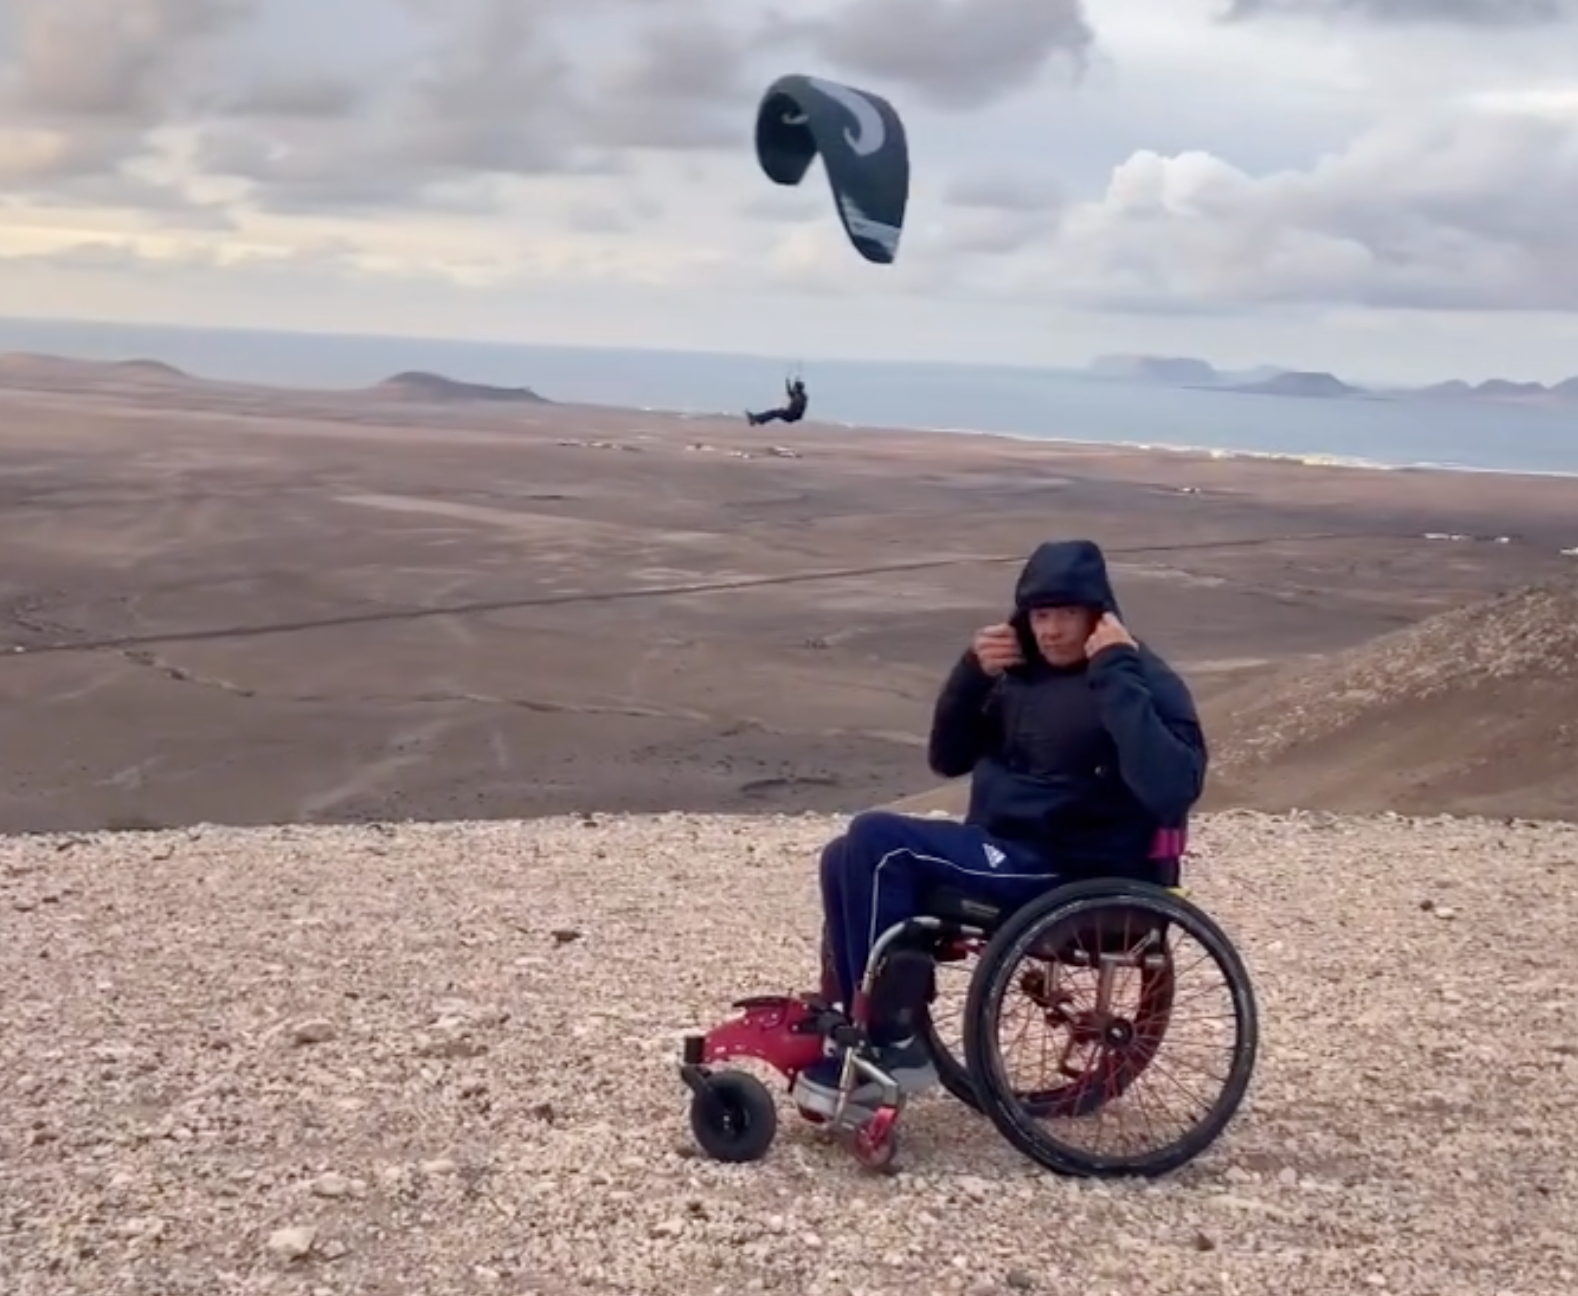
<point>359,1060</point>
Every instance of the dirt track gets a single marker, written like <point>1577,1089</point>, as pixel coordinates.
<point>249,607</point>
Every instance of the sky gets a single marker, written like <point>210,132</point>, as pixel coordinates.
<point>1382,188</point>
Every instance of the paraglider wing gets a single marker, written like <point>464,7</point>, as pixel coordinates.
<point>863,149</point>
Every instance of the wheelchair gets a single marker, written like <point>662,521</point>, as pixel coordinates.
<point>1097,963</point>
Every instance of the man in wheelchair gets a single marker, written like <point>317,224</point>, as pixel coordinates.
<point>1081,744</point>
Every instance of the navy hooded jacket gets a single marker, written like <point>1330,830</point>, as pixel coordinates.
<point>1084,763</point>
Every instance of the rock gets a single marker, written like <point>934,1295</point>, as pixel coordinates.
<point>1020,1280</point>
<point>455,1046</point>
<point>331,1185</point>
<point>293,1244</point>
<point>975,1188</point>
<point>314,1030</point>
<point>1204,1242</point>
<point>564,935</point>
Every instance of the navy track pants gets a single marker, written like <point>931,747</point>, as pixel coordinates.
<point>877,873</point>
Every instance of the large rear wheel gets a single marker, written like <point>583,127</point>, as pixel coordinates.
<point>1128,1076</point>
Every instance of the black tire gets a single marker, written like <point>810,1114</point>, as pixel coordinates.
<point>1020,1123</point>
<point>736,1119</point>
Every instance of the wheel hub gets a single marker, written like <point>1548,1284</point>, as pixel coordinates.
<point>1118,1033</point>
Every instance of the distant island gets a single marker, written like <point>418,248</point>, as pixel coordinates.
<point>1267,380</point>
<point>1175,371</point>
<point>1311,386</point>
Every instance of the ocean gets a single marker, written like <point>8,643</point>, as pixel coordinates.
<point>1031,403</point>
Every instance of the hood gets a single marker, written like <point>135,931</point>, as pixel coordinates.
<point>1060,573</point>
<point>1065,573</point>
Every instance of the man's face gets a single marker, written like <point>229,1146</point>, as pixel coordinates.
<point>1060,632</point>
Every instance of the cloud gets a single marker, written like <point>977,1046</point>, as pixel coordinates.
<point>381,103</point>
<point>1014,191</point>
<point>1469,13</point>
<point>200,111</point>
<point>684,86</point>
<point>85,84</point>
<point>1461,209</point>
<point>954,54</point>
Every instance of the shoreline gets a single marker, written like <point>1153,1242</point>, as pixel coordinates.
<point>1180,450</point>
<point>180,391</point>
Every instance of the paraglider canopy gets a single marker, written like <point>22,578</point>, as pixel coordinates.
<point>863,148</point>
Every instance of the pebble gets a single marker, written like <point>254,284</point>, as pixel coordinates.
<point>314,1030</point>
<point>294,1243</point>
<point>335,1185</point>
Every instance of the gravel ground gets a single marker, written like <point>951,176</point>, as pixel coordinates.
<point>360,1060</point>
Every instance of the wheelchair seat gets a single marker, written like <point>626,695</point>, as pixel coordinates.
<point>1163,866</point>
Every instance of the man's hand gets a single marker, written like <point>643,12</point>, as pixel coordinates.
<point>996,648</point>
<point>1109,633</point>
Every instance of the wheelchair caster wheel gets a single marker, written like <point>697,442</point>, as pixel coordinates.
<point>733,1117</point>
<point>876,1143</point>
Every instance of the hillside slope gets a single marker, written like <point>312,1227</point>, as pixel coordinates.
<point>415,385</point>
<point>1471,711</point>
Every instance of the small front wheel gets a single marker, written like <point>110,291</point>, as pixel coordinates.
<point>876,1144</point>
<point>734,1117</point>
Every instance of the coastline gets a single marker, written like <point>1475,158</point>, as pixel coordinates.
<point>1182,449</point>
<point>1125,419</point>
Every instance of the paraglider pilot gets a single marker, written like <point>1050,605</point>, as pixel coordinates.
<point>793,412</point>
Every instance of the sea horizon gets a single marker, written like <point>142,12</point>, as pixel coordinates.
<point>1052,404</point>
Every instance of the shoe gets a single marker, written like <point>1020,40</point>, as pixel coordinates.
<point>909,1062</point>
<point>815,1090</point>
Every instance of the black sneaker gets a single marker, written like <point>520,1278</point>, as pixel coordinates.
<point>909,1062</point>
<point>816,1090</point>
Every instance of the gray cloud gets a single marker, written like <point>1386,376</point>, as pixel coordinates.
<point>84,83</point>
<point>498,96</point>
<point>495,90</point>
<point>622,217</point>
<point>1004,191</point>
<point>684,87</point>
<point>110,60</point>
<point>1468,13</point>
<point>956,54</point>
<point>306,96</point>
<point>781,208</point>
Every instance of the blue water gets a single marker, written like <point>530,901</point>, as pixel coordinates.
<point>1031,403</point>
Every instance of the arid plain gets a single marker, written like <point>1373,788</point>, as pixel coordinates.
<point>243,605</point>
